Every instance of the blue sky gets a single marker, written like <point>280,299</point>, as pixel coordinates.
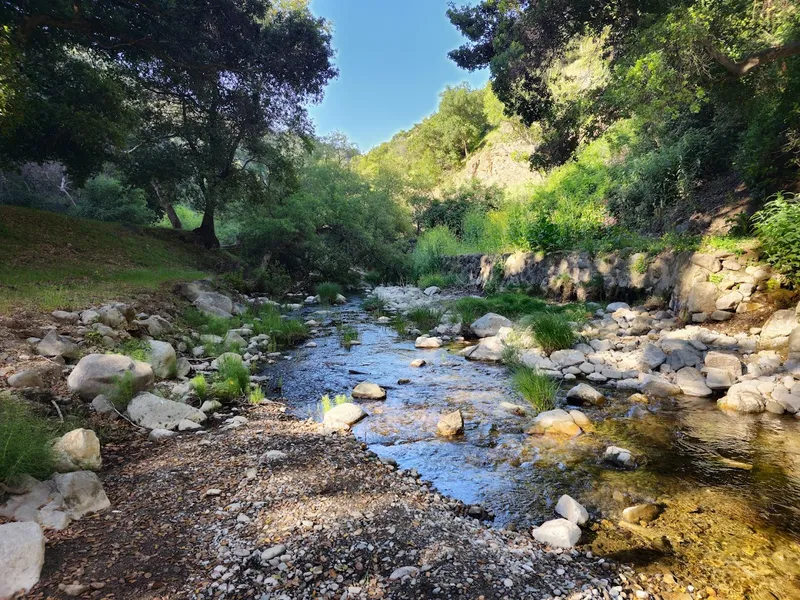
<point>392,60</point>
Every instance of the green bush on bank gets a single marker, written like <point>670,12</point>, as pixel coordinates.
<point>777,226</point>
<point>25,441</point>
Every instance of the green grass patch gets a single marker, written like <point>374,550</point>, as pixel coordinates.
<point>537,389</point>
<point>52,261</point>
<point>256,394</point>
<point>24,441</point>
<point>347,335</point>
<point>425,318</point>
<point>441,280</point>
<point>266,319</point>
<point>327,404</point>
<point>551,331</point>
<point>200,386</point>
<point>509,304</point>
<point>328,291</point>
<point>232,379</point>
<point>373,304</point>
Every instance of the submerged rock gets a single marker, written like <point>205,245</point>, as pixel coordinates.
<point>557,422</point>
<point>620,457</point>
<point>641,512</point>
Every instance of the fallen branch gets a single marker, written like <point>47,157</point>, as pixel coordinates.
<point>748,63</point>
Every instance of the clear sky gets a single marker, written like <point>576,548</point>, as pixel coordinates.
<point>392,60</point>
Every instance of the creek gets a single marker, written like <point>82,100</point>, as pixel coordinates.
<point>730,483</point>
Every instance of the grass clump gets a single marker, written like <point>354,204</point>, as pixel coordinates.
<point>327,404</point>
<point>256,395</point>
<point>400,324</point>
<point>425,318</point>
<point>328,291</point>
<point>537,389</point>
<point>551,331</point>
<point>122,392</point>
<point>347,335</point>
<point>25,441</point>
<point>200,386</point>
<point>232,379</point>
<point>441,280</point>
<point>135,349</point>
<point>373,304</point>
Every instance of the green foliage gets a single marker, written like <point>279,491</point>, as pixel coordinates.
<point>347,335</point>
<point>400,324</point>
<point>122,391</point>
<point>508,304</point>
<point>135,348</point>
<point>271,279</point>
<point>537,389</point>
<point>200,386</point>
<point>452,210</point>
<point>328,291</point>
<point>327,404</point>
<point>374,304</point>
<point>441,280</point>
<point>25,441</point>
<point>495,280</point>
<point>425,318</point>
<point>266,319</point>
<point>551,331</point>
<point>777,226</point>
<point>256,395</point>
<point>231,380</point>
<point>107,199</point>
<point>432,247</point>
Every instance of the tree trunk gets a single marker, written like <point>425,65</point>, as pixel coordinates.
<point>168,208</point>
<point>206,233</point>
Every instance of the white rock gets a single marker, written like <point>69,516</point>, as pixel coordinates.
<point>619,456</point>
<point>489,325</point>
<point>428,342</point>
<point>347,414</point>
<point>157,435</point>
<point>82,492</point>
<point>692,383</point>
<point>21,557</point>
<point>558,533</point>
<point>162,359</point>
<point>401,572</point>
<point>615,306</point>
<point>97,374</point>
<point>187,425</point>
<point>152,412</point>
<point>369,391</point>
<point>210,406</point>
<point>780,324</point>
<point>572,510</point>
<point>489,349</point>
<point>77,450</point>
<point>584,393</point>
<point>54,345</point>
<point>567,358</point>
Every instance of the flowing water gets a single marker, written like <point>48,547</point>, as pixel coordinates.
<point>730,483</point>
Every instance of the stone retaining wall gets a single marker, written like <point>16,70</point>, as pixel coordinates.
<point>673,275</point>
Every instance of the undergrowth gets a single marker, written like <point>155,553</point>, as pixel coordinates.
<point>25,441</point>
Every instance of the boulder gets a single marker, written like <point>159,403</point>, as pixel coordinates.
<point>724,361</point>
<point>153,412</point>
<point>77,450</point>
<point>54,345</point>
<point>780,324</point>
<point>692,382</point>
<point>182,367</point>
<point>572,510</point>
<point>489,349</point>
<point>431,290</point>
<point>347,414</point>
<point>615,306</point>
<point>417,363</point>
<point>369,391</point>
<point>428,342</point>
<point>555,422</point>
<point>451,424</point>
<point>211,406</point>
<point>97,374</point>
<point>641,512</point>
<point>558,533</point>
<point>21,557</point>
<point>719,379</point>
<point>743,398</point>
<point>794,341</point>
<point>659,387</point>
<point>650,357</point>
<point>585,394</point>
<point>234,340</point>
<point>567,358</point>
<point>111,316</point>
<point>729,301</point>
<point>39,376</point>
<point>790,402</point>
<point>162,359</point>
<point>707,261</point>
<point>155,325</point>
<point>489,325</point>
<point>620,457</point>
<point>68,318</point>
<point>702,298</point>
<point>214,304</point>
<point>82,492</point>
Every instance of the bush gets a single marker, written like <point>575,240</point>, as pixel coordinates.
<point>538,390</point>
<point>25,441</point>
<point>328,291</point>
<point>777,226</point>
<point>200,387</point>
<point>551,332</point>
<point>442,280</point>
<point>272,279</point>
<point>432,247</point>
<point>107,199</point>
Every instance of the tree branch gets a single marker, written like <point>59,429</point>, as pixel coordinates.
<point>748,63</point>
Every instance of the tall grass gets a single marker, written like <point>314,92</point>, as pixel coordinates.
<point>551,331</point>
<point>25,439</point>
<point>347,335</point>
<point>232,378</point>
<point>328,291</point>
<point>425,317</point>
<point>537,389</point>
<point>441,280</point>
<point>327,404</point>
<point>432,247</point>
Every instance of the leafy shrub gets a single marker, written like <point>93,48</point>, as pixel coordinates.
<point>538,390</point>
<point>451,212</point>
<point>425,317</point>
<point>777,226</point>
<point>552,332</point>
<point>432,247</point>
<point>105,198</point>
<point>25,441</point>
<point>328,291</point>
<point>441,280</point>
<point>496,275</point>
<point>200,387</point>
<point>123,391</point>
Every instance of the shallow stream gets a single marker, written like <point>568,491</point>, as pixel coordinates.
<point>730,484</point>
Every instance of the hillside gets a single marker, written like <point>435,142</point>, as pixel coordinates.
<point>52,261</point>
